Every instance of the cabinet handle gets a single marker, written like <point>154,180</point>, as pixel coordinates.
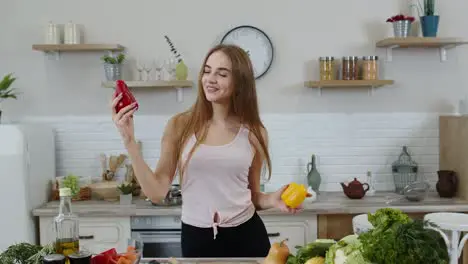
<point>274,234</point>
<point>86,237</point>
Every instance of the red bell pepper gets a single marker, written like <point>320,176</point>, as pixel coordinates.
<point>105,257</point>
<point>127,96</point>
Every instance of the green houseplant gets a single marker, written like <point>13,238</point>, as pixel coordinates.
<point>113,66</point>
<point>126,192</point>
<point>181,70</point>
<point>429,21</point>
<point>6,91</point>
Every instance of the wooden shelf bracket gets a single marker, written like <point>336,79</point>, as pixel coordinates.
<point>442,44</point>
<point>442,52</point>
<point>370,90</point>
<point>180,94</point>
<point>390,52</point>
<point>330,84</point>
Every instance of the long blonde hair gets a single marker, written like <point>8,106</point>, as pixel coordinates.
<point>244,106</point>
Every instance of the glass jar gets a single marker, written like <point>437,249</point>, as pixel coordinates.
<point>370,68</point>
<point>66,226</point>
<point>54,259</point>
<point>80,258</point>
<point>350,69</point>
<point>327,68</point>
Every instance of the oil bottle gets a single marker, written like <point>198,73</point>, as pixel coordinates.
<point>66,226</point>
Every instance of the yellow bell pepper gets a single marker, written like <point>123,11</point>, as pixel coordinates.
<point>294,195</point>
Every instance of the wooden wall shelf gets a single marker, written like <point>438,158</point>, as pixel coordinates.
<point>77,47</point>
<point>371,84</point>
<point>443,44</point>
<point>178,85</point>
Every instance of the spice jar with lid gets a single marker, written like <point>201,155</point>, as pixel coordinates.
<point>327,68</point>
<point>80,257</point>
<point>350,69</point>
<point>54,259</point>
<point>370,68</point>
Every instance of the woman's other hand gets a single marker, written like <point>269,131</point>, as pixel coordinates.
<point>279,203</point>
<point>123,120</point>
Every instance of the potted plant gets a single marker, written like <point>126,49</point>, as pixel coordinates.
<point>113,66</point>
<point>126,192</point>
<point>6,91</point>
<point>401,25</point>
<point>181,70</point>
<point>429,21</point>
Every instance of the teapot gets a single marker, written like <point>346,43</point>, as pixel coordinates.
<point>355,189</point>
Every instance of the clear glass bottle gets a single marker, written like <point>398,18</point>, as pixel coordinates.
<point>66,226</point>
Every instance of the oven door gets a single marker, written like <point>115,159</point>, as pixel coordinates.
<point>159,243</point>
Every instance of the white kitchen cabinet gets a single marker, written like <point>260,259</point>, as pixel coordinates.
<point>96,233</point>
<point>298,229</point>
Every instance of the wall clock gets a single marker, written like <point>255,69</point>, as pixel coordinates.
<point>256,43</point>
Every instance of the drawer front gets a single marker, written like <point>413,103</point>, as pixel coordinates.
<point>100,232</point>
<point>295,233</point>
<point>96,234</point>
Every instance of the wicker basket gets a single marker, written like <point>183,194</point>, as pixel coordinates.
<point>83,195</point>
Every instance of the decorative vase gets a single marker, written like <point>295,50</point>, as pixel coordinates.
<point>402,28</point>
<point>126,199</point>
<point>113,71</point>
<point>429,26</point>
<point>313,176</point>
<point>181,71</point>
<point>447,184</point>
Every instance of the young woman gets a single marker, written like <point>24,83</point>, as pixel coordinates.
<point>218,148</point>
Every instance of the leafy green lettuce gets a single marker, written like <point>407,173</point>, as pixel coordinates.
<point>346,251</point>
<point>396,238</point>
<point>318,248</point>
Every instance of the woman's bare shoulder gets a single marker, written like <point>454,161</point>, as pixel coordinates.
<point>177,121</point>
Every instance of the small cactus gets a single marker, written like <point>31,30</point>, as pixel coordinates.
<point>429,7</point>
<point>126,188</point>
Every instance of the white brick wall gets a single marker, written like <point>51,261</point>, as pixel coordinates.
<point>347,145</point>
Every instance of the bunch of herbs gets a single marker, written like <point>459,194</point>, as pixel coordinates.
<point>396,238</point>
<point>109,59</point>
<point>19,253</point>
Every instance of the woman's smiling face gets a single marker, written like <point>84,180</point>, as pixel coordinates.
<point>217,78</point>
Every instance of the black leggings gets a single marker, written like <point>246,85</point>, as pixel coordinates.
<point>249,239</point>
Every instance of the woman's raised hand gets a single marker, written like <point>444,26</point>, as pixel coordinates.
<point>123,120</point>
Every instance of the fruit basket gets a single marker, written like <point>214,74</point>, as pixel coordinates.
<point>80,185</point>
<point>111,256</point>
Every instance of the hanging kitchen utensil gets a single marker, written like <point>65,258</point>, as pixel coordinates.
<point>103,160</point>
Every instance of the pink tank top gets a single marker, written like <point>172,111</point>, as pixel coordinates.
<point>216,183</point>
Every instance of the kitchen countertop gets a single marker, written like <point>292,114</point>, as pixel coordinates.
<point>327,203</point>
<point>204,260</point>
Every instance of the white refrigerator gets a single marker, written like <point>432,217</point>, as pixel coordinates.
<point>27,166</point>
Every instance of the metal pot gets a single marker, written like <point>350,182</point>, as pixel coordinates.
<point>113,71</point>
<point>402,29</point>
<point>173,197</point>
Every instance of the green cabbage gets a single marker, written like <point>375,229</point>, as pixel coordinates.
<point>346,251</point>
